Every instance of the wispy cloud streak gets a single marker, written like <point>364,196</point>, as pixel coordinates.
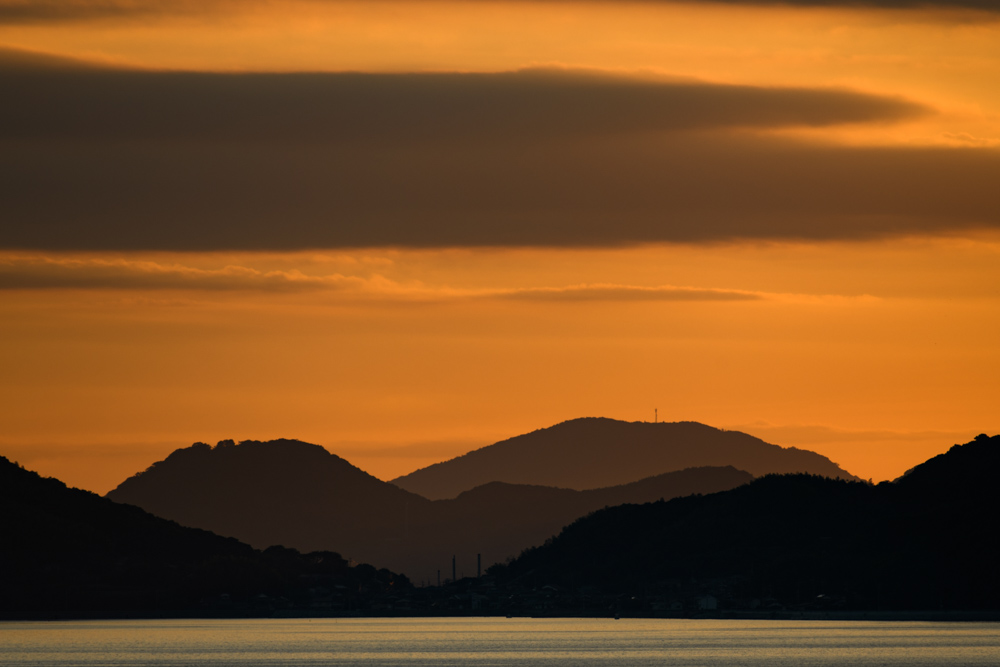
<point>612,292</point>
<point>47,273</point>
<point>68,273</point>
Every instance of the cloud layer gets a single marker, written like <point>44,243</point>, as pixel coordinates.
<point>34,272</point>
<point>124,160</point>
<point>387,110</point>
<point>73,273</point>
<point>59,11</point>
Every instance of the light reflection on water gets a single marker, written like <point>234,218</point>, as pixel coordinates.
<point>482,642</point>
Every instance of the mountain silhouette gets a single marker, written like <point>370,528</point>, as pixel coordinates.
<point>291,493</point>
<point>68,553</point>
<point>283,492</point>
<point>925,541</point>
<point>595,452</point>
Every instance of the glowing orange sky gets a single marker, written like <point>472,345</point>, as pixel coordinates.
<point>887,344</point>
<point>875,352</point>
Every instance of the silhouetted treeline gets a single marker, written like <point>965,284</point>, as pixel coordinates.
<point>926,541</point>
<point>68,553</point>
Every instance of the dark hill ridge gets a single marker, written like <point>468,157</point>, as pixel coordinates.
<point>926,541</point>
<point>299,495</point>
<point>67,553</point>
<point>963,471</point>
<point>500,520</point>
<point>596,452</point>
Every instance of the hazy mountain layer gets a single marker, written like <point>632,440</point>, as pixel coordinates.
<point>299,495</point>
<point>597,452</point>
<point>500,520</point>
<point>926,541</point>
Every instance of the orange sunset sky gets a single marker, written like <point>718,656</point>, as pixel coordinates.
<point>406,229</point>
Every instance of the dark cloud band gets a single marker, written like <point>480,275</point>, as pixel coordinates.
<point>99,160</point>
<point>61,11</point>
<point>681,189</point>
<point>392,109</point>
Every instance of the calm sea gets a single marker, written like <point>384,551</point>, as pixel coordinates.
<point>508,642</point>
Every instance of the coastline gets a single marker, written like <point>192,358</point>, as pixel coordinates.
<point>923,616</point>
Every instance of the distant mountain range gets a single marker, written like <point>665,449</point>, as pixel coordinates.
<point>591,453</point>
<point>926,541</point>
<point>299,495</point>
<point>796,542</point>
<point>68,553</point>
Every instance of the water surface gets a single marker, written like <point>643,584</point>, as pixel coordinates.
<point>480,642</point>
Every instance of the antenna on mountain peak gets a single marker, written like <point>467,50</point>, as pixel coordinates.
<point>656,415</point>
